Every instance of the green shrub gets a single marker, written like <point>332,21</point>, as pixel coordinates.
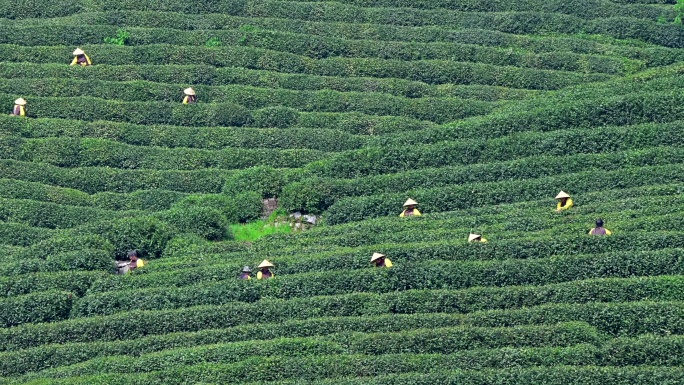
<point>121,38</point>
<point>278,117</point>
<point>206,222</point>
<point>237,208</point>
<point>66,242</point>
<point>267,181</point>
<point>77,282</point>
<point>97,179</point>
<point>46,306</point>
<point>86,152</point>
<point>22,235</point>
<point>146,234</point>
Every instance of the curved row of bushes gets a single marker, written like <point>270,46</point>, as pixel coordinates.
<point>481,194</point>
<point>280,107</point>
<point>89,152</point>
<point>46,306</point>
<point>362,371</point>
<point>404,276</point>
<point>76,282</point>
<point>428,71</point>
<point>100,179</point>
<point>620,351</point>
<point>587,111</point>
<point>323,47</point>
<point>478,32</point>
<point>650,198</point>
<point>500,228</point>
<point>567,142</point>
<point>316,194</point>
<point>420,343</point>
<point>510,250</point>
<point>207,75</point>
<point>581,8</point>
<point>211,138</point>
<point>617,319</point>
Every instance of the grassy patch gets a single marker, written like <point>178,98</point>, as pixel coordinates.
<point>252,231</point>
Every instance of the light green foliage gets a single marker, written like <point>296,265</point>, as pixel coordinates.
<point>213,42</point>
<point>121,38</point>
<point>277,223</point>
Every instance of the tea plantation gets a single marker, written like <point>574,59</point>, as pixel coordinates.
<point>481,111</point>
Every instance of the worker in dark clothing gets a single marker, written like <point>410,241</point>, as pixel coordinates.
<point>599,229</point>
<point>245,273</point>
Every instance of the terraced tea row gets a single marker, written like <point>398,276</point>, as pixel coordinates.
<point>428,71</point>
<point>410,275</point>
<point>615,319</point>
<point>442,109</point>
<point>419,341</point>
<point>324,47</point>
<point>207,75</point>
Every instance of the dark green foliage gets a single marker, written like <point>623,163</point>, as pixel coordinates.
<point>45,306</point>
<point>279,117</point>
<point>267,181</point>
<point>235,208</point>
<point>146,234</point>
<point>97,179</point>
<point>76,282</point>
<point>481,111</point>
<point>86,152</point>
<point>480,194</point>
<point>206,222</point>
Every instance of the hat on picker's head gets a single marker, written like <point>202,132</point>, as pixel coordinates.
<point>410,202</point>
<point>376,256</point>
<point>133,253</point>
<point>189,91</point>
<point>246,269</point>
<point>473,237</point>
<point>20,102</point>
<point>562,195</point>
<point>266,263</point>
<point>78,51</point>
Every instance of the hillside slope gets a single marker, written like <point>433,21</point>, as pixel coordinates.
<point>480,111</point>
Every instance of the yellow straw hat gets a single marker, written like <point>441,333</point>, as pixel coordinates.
<point>562,194</point>
<point>78,51</point>
<point>410,202</point>
<point>473,237</point>
<point>20,102</point>
<point>189,91</point>
<point>266,263</point>
<point>376,256</point>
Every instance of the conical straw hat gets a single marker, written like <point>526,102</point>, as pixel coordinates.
<point>266,263</point>
<point>20,102</point>
<point>376,256</point>
<point>189,91</point>
<point>410,202</point>
<point>473,237</point>
<point>78,51</point>
<point>562,194</point>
